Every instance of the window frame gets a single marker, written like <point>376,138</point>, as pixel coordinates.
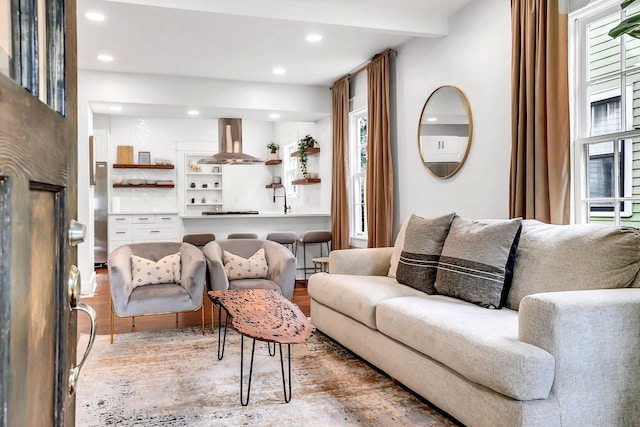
<point>580,106</point>
<point>355,177</point>
<point>290,169</point>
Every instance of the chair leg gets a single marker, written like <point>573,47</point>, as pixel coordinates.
<point>111,326</point>
<point>133,323</point>
<point>202,316</point>
<point>176,320</point>
<point>304,262</point>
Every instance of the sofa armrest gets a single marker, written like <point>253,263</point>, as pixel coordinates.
<point>594,338</point>
<point>361,262</point>
<point>192,271</point>
<point>218,280</point>
<point>120,277</point>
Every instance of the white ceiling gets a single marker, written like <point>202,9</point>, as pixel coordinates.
<point>245,39</point>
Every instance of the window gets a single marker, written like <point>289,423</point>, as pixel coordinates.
<point>290,169</point>
<point>606,117</point>
<point>358,173</point>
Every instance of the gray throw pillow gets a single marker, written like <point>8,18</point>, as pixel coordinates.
<point>423,242</point>
<point>477,261</point>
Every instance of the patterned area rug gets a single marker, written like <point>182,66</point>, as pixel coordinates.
<point>173,378</point>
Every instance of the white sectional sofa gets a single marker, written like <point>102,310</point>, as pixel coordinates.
<point>563,351</point>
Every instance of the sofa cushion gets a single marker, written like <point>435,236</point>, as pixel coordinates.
<point>356,296</point>
<point>477,261</point>
<point>576,257</point>
<point>481,345</point>
<point>147,272</point>
<point>254,267</point>
<point>423,243</point>
<point>397,249</point>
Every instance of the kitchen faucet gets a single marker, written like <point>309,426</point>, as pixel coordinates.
<point>284,195</point>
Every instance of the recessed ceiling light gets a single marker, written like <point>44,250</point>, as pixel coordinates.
<point>279,70</point>
<point>274,116</point>
<point>432,119</point>
<point>193,112</point>
<point>94,16</point>
<point>314,38</point>
<point>115,108</point>
<point>105,58</point>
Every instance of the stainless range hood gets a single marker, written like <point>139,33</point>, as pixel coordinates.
<point>230,145</point>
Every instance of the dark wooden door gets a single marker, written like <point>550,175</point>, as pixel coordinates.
<point>38,162</point>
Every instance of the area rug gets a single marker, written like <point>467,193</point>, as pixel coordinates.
<point>173,378</point>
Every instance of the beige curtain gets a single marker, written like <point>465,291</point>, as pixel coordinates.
<point>540,171</point>
<point>379,164</point>
<point>339,198</point>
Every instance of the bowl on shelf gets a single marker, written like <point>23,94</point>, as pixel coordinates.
<point>151,181</point>
<point>136,181</point>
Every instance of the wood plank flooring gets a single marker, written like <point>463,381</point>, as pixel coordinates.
<point>101,303</point>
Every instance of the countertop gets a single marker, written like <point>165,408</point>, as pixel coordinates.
<point>260,215</point>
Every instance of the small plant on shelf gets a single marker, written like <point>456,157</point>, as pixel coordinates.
<point>307,142</point>
<point>273,147</point>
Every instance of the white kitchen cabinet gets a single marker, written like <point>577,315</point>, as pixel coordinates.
<point>138,228</point>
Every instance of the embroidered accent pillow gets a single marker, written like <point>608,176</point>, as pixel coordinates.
<point>147,272</point>
<point>477,261</point>
<point>397,249</point>
<point>420,255</point>
<point>255,267</point>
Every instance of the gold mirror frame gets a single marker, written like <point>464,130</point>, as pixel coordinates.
<point>450,167</point>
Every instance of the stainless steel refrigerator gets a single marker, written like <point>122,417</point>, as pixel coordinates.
<point>100,210</point>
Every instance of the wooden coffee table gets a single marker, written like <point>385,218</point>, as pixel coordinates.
<point>263,315</point>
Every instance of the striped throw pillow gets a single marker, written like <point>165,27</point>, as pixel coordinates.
<point>477,261</point>
<point>419,258</point>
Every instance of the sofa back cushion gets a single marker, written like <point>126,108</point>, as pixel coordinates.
<point>554,258</point>
<point>477,261</point>
<point>420,255</point>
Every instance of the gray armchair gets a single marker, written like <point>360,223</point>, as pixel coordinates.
<point>161,298</point>
<point>281,263</point>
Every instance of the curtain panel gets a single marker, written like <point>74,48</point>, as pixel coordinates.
<point>339,198</point>
<point>379,164</point>
<point>540,156</point>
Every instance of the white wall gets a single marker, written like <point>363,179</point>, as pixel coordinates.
<point>476,57</point>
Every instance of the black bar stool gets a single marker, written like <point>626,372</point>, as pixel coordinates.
<point>199,240</point>
<point>285,238</point>
<point>310,237</point>
<point>242,236</point>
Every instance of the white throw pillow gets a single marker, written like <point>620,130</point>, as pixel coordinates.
<point>147,272</point>
<point>237,267</point>
<point>397,248</point>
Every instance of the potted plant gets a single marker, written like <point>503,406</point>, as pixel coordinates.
<point>274,150</point>
<point>307,142</point>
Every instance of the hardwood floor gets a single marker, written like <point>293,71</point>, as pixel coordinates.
<point>101,303</point>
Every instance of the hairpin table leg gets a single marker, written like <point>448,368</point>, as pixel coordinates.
<point>271,352</point>
<point>224,340</point>
<point>287,399</point>
<point>253,348</point>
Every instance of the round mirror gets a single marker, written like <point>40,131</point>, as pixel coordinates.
<point>444,131</point>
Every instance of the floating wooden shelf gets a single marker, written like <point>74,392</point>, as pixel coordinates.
<point>143,186</point>
<point>273,162</point>
<point>274,186</point>
<point>306,181</point>
<point>310,151</point>
<point>124,166</point>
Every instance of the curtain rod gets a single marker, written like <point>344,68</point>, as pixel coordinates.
<point>366,64</point>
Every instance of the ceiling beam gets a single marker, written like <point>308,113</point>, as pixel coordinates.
<point>418,21</point>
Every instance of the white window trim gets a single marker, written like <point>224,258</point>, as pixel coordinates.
<point>292,190</point>
<point>581,117</point>
<point>356,239</point>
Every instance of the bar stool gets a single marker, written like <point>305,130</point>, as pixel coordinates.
<point>242,236</point>
<point>285,238</point>
<point>199,240</point>
<point>313,236</point>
